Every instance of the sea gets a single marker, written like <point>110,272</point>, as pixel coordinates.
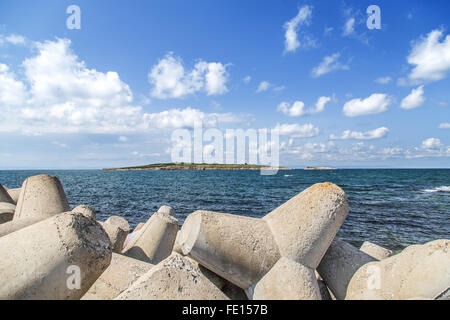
<point>391,207</point>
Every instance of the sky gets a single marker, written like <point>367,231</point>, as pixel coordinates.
<point>109,87</point>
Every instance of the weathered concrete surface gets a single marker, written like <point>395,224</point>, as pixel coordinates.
<point>418,271</point>
<point>305,225</point>
<point>139,226</point>
<point>166,210</point>
<point>14,194</point>
<point>86,211</point>
<point>155,241</point>
<point>14,225</point>
<point>339,264</point>
<point>117,229</point>
<point>233,292</point>
<point>239,249</point>
<point>287,280</point>
<point>36,262</point>
<point>6,212</point>
<point>217,280</point>
<point>376,251</point>
<point>324,291</point>
<point>174,278</point>
<point>119,276</point>
<point>4,195</point>
<point>42,196</point>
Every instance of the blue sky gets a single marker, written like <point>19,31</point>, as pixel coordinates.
<point>111,93</point>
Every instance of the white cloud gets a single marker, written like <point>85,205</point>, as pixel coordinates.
<point>123,139</point>
<point>263,86</point>
<point>383,80</point>
<point>430,57</point>
<point>349,27</point>
<point>14,39</point>
<point>329,64</point>
<point>247,79</point>
<point>61,95</point>
<point>376,103</point>
<point>369,135</point>
<point>295,110</point>
<point>431,143</point>
<point>444,125</point>
<point>297,131</point>
<point>414,99</point>
<point>320,105</point>
<point>170,80</point>
<point>291,39</point>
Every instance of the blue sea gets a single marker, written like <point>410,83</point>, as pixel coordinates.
<point>391,207</point>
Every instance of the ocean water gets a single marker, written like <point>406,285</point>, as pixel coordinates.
<point>391,207</point>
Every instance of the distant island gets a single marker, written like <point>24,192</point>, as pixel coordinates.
<point>319,168</point>
<point>194,166</point>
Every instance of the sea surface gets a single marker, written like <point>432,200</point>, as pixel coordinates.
<point>391,207</point>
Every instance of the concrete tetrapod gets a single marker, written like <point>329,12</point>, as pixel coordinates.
<point>243,250</point>
<point>6,212</point>
<point>376,251</point>
<point>118,277</point>
<point>418,271</point>
<point>117,229</point>
<point>278,284</point>
<point>57,258</point>
<point>4,195</point>
<point>155,240</point>
<point>339,264</point>
<point>14,194</point>
<point>85,211</point>
<point>174,278</point>
<point>41,196</point>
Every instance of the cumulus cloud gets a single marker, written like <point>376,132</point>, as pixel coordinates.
<point>369,135</point>
<point>60,94</point>
<point>171,80</point>
<point>431,143</point>
<point>430,57</point>
<point>297,131</point>
<point>414,99</point>
<point>444,125</point>
<point>383,80</point>
<point>291,38</point>
<point>263,86</point>
<point>376,103</point>
<point>297,108</point>
<point>14,39</point>
<point>329,64</point>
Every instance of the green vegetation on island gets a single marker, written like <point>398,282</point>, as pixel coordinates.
<point>195,166</point>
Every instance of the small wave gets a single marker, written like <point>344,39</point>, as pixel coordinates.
<point>288,175</point>
<point>438,189</point>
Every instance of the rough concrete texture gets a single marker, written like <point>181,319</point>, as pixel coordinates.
<point>85,211</point>
<point>6,212</point>
<point>44,254</point>
<point>287,280</point>
<point>166,210</point>
<point>14,193</point>
<point>139,226</point>
<point>117,229</point>
<point>418,271</point>
<point>118,277</point>
<point>41,195</point>
<point>155,241</point>
<point>174,278</point>
<point>177,244</point>
<point>217,280</point>
<point>239,249</point>
<point>376,251</point>
<point>4,195</point>
<point>305,225</point>
<point>339,264</point>
<point>14,225</point>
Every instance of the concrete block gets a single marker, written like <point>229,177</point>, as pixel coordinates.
<point>42,196</point>
<point>118,277</point>
<point>6,212</point>
<point>4,195</point>
<point>339,264</point>
<point>376,251</point>
<point>86,211</point>
<point>418,271</point>
<point>117,229</point>
<point>174,278</point>
<point>44,260</point>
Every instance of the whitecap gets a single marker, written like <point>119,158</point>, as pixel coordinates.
<point>438,189</point>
